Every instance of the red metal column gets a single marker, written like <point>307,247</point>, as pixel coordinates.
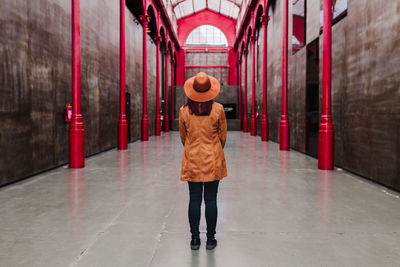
<point>253,86</point>
<point>145,120</point>
<point>232,70</point>
<point>284,124</point>
<point>158,119</point>
<point>240,91</point>
<point>172,88</point>
<point>166,117</point>
<point>326,132</point>
<point>180,67</point>
<point>245,93</point>
<point>122,123</point>
<point>264,119</point>
<point>76,129</point>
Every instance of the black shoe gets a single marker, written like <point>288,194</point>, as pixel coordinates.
<point>195,243</point>
<point>211,243</point>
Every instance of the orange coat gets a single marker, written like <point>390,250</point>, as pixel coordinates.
<point>203,138</point>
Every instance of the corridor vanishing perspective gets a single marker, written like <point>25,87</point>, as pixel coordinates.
<point>129,208</point>
<point>90,99</point>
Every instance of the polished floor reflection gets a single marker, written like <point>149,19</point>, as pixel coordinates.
<point>129,208</point>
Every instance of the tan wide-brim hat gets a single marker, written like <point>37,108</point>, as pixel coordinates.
<point>202,87</point>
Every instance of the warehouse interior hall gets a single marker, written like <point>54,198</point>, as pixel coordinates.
<point>128,208</point>
<point>96,98</point>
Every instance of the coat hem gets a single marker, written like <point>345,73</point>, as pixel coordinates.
<point>202,180</point>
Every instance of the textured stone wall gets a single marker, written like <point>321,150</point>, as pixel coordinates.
<point>365,86</point>
<point>366,90</point>
<point>242,70</point>
<point>246,69</point>
<point>35,81</point>
<point>259,77</point>
<point>228,95</point>
<point>249,92</point>
<point>274,65</point>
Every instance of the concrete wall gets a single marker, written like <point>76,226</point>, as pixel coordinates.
<point>274,83</point>
<point>35,81</point>
<point>365,86</point>
<point>366,90</point>
<point>259,77</point>
<point>246,69</point>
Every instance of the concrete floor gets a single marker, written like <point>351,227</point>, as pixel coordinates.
<point>128,208</point>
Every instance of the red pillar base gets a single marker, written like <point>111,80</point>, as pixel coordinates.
<point>253,129</point>
<point>264,128</point>
<point>245,128</point>
<point>325,143</point>
<point>145,128</point>
<point>158,125</point>
<point>122,132</point>
<point>284,133</point>
<point>76,143</point>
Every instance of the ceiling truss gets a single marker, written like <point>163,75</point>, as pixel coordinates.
<point>184,8</point>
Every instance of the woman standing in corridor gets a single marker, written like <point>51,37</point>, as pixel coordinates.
<point>202,127</point>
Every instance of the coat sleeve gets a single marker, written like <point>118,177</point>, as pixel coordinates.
<point>222,127</point>
<point>182,127</point>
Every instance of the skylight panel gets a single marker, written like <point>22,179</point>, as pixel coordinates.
<point>199,5</point>
<point>235,12</point>
<point>230,8</point>
<point>238,2</point>
<point>177,11</point>
<point>226,8</point>
<point>214,5</point>
<point>186,8</point>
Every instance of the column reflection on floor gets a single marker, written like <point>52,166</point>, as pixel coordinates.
<point>325,189</point>
<point>283,169</point>
<point>123,173</point>
<point>76,197</point>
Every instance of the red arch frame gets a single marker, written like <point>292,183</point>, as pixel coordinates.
<point>206,17</point>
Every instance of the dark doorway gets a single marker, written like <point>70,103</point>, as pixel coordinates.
<point>312,99</point>
<point>230,111</point>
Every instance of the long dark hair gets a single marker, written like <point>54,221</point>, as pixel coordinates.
<point>200,108</point>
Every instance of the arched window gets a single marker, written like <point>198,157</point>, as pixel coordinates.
<point>206,35</point>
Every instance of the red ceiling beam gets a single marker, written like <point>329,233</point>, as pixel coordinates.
<point>207,16</point>
<point>206,8</point>
<point>177,3</point>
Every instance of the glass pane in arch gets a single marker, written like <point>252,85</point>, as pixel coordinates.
<point>206,35</point>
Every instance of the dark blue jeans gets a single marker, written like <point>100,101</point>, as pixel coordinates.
<point>210,198</point>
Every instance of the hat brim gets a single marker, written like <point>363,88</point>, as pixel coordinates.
<point>208,95</point>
